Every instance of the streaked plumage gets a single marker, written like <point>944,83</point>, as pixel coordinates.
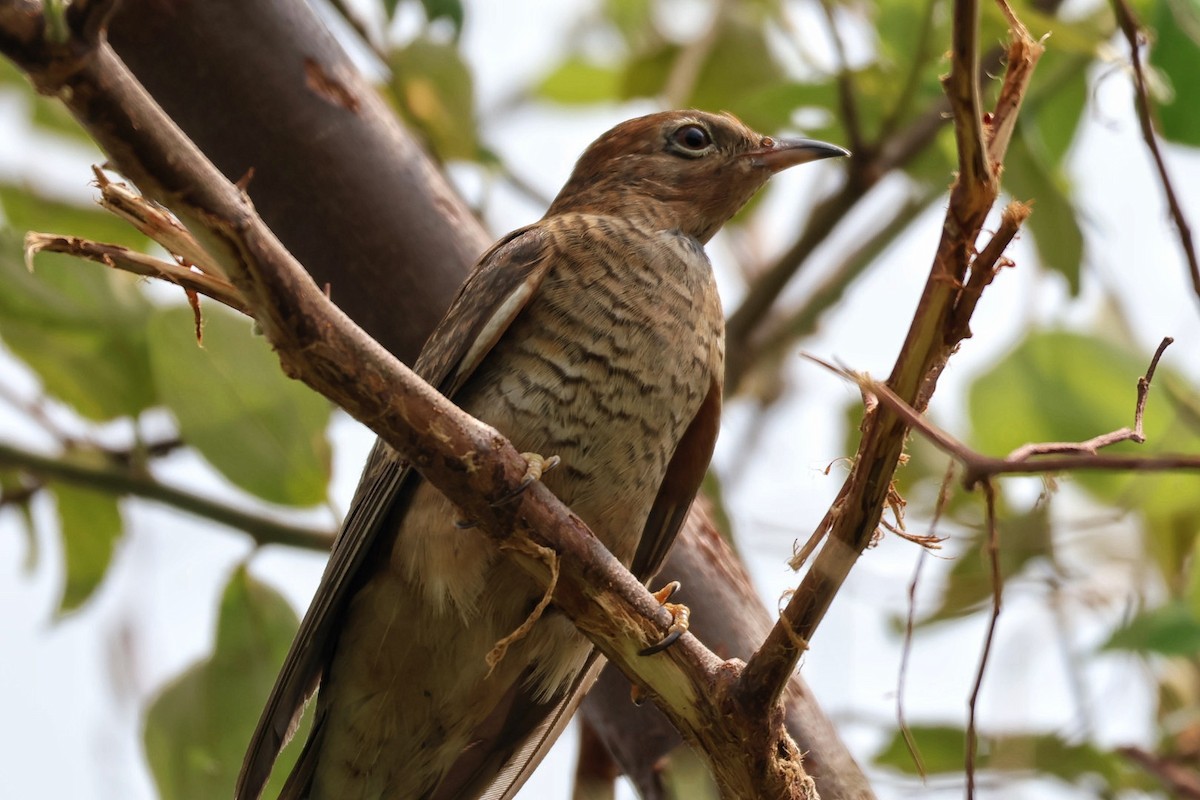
<point>595,335</point>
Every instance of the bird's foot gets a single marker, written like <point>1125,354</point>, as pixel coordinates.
<point>550,559</point>
<point>535,467</point>
<point>681,617</point>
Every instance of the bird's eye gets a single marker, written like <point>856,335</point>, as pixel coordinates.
<point>692,139</point>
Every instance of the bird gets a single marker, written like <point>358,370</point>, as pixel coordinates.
<point>596,335</point>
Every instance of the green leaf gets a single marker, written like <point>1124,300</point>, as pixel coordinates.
<point>632,18</point>
<point>433,86</point>
<point>646,74</point>
<point>1057,98</point>
<point>943,749</point>
<point>738,64</point>
<point>262,431</point>
<point>577,81</point>
<point>1066,387</point>
<point>1175,54</point>
<point>445,9</point>
<point>1172,630</point>
<point>1054,222</point>
<point>1057,387</point>
<point>773,107</point>
<point>198,726</point>
<point>81,328</point>
<point>911,58</point>
<point>1024,539</point>
<point>91,527</point>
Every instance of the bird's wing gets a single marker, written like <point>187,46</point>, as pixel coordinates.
<point>507,275</point>
<point>511,744</point>
<point>684,474</point>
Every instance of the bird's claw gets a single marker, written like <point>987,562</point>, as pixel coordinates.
<point>535,467</point>
<point>681,617</point>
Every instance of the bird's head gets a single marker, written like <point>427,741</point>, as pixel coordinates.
<point>685,170</point>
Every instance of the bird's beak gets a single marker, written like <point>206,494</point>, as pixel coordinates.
<point>779,154</point>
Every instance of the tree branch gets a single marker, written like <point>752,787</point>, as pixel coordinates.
<point>1033,459</point>
<point>113,479</point>
<point>1133,34</point>
<point>858,509</point>
<point>997,579</point>
<point>122,258</point>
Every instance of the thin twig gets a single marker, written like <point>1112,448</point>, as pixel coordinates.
<point>845,85</point>
<point>1036,459</point>
<point>912,80</point>
<point>1020,58</point>
<point>902,671</point>
<point>773,343</point>
<point>157,223</point>
<point>122,258</point>
<point>1133,34</point>
<point>122,481</point>
<point>681,80</point>
<point>1096,443</point>
<point>985,266</point>
<point>939,508</point>
<point>993,552</point>
<point>924,355</point>
<point>36,410</point>
<point>1179,779</point>
<point>358,26</point>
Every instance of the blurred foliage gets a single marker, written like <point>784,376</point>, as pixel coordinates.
<point>91,527</point>
<point>104,351</point>
<point>262,431</point>
<point>942,752</point>
<point>1175,55</point>
<point>198,725</point>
